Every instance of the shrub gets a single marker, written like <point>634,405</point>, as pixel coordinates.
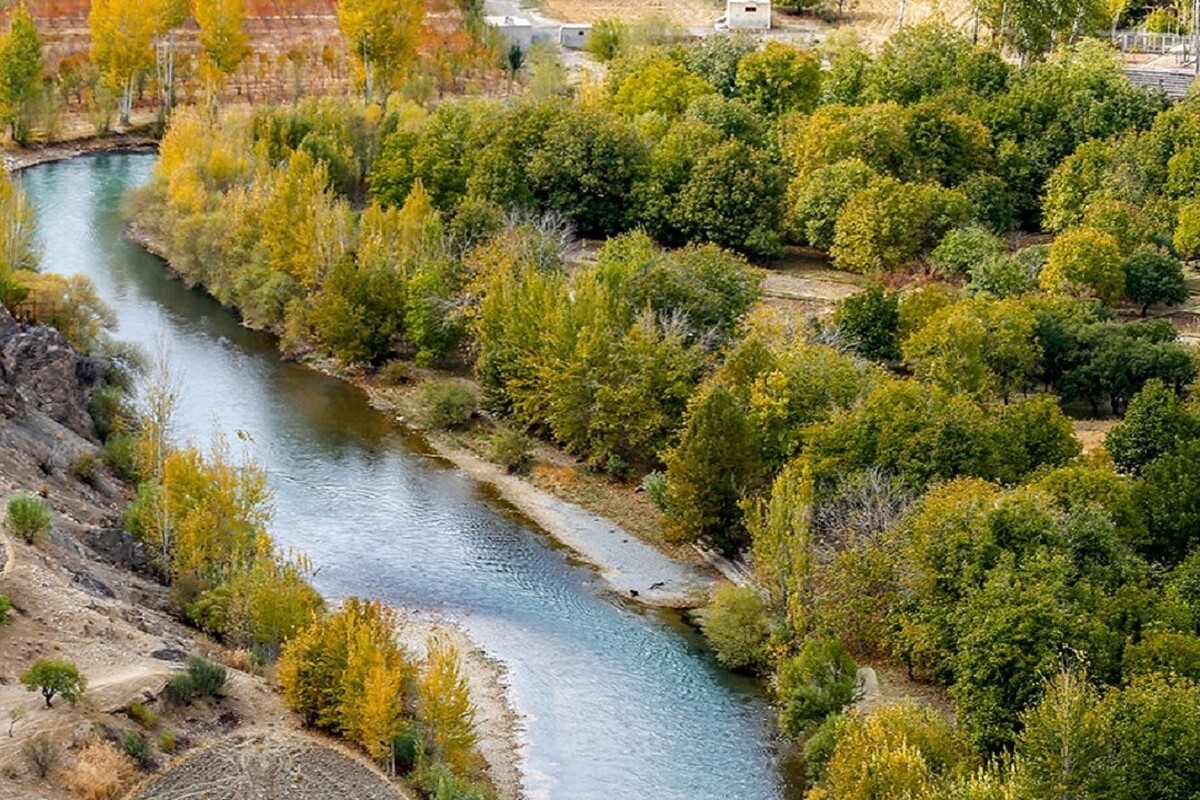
<point>736,625</point>
<point>100,773</point>
<point>871,321</point>
<point>1166,653</point>
<point>5,609</point>
<point>205,678</point>
<point>42,754</point>
<point>181,689</point>
<point>168,742</point>
<point>136,747</point>
<point>818,748</point>
<point>110,411</point>
<point>55,678</point>
<point>657,489</point>
<point>120,452</point>
<point>446,404</point>
<point>607,39</point>
<point>963,248</point>
<point>820,680</point>
<point>139,713</point>
<point>437,780</point>
<point>86,467</point>
<point>511,449</point>
<point>28,517</point>
<point>395,373</point>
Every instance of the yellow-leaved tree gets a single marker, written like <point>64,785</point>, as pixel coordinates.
<point>122,36</point>
<point>382,37</point>
<point>223,39</point>
<point>444,708</point>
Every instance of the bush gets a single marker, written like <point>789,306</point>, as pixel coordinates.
<point>1153,277</point>
<point>395,373</point>
<point>87,467</point>
<point>55,678</point>
<point>139,713</point>
<point>871,321</point>
<point>438,781</point>
<point>42,754</point>
<point>5,609</point>
<point>962,249</point>
<point>820,680</point>
<point>446,404</point>
<point>168,742</point>
<point>110,411</point>
<point>607,39</point>
<point>136,747</point>
<point>818,748</point>
<point>28,517</point>
<point>100,773</point>
<point>736,625</point>
<point>657,489</point>
<point>1086,260</point>
<point>120,452</point>
<point>511,449</point>
<point>202,679</point>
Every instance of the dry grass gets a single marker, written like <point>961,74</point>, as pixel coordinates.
<point>688,13</point>
<point>102,772</point>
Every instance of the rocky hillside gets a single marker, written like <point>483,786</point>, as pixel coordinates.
<point>84,596</point>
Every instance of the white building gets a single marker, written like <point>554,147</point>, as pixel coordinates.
<point>514,30</point>
<point>574,36</point>
<point>748,14</point>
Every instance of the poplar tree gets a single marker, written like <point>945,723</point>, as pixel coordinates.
<point>222,37</point>
<point>122,34</point>
<point>383,40</point>
<point>20,68</point>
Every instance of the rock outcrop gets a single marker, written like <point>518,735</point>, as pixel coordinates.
<point>40,371</point>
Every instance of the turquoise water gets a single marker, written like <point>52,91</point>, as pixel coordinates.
<point>620,702</point>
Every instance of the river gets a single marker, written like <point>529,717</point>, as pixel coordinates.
<point>620,702</point>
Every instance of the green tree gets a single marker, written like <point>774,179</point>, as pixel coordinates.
<point>779,78</point>
<point>608,39</point>
<point>444,707</point>
<point>1155,423</point>
<point>1063,746</point>
<point>818,681</point>
<point>1085,260</point>
<point>1154,739</point>
<point>815,201</point>
<point>1168,498</point>
<point>20,70</point>
<point>662,87</point>
<point>735,623</point>
<point>716,59</point>
<point>888,224</point>
<point>871,321</point>
<point>382,39</point>
<point>1187,230</point>
<point>712,468</point>
<point>1153,277</point>
<point>52,678</point>
<point>733,198</point>
<point>961,249</point>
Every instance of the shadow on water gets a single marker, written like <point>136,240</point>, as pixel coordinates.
<point>620,702</point>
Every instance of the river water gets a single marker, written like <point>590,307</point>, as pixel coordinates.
<point>620,702</point>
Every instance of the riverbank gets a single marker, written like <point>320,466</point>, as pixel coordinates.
<point>133,141</point>
<point>630,558</point>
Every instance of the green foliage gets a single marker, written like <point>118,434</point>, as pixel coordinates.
<point>139,713</point>
<point>778,79</point>
<point>662,87</point>
<point>1155,423</point>
<point>5,608</point>
<point>1168,498</point>
<point>208,678</point>
<point>924,60</point>
<point>608,39</point>
<point>136,747</point>
<point>1062,747</point>
<point>815,201</point>
<point>1153,736</point>
<point>28,516</point>
<point>1085,260</point>
<point>511,449</point>
<point>885,226</point>
<point>962,249</point>
<point>20,70</point>
<point>716,59</point>
<point>714,465</point>
<point>52,677</point>
<point>870,321</point>
<point>446,405</point>
<point>1166,653</point>
<point>818,681</point>
<point>735,623</point>
<point>1153,277</point>
<point>910,749</point>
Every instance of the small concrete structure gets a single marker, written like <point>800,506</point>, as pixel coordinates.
<point>748,14</point>
<point>574,36</point>
<point>513,30</point>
